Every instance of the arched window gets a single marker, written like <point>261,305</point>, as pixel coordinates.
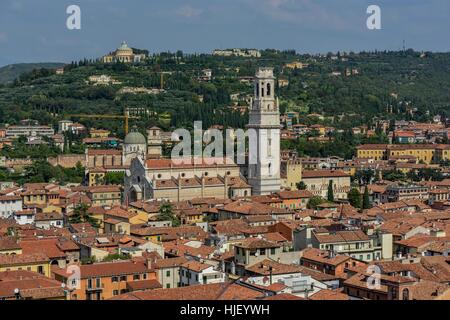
<point>405,294</point>
<point>262,90</point>
<point>269,89</point>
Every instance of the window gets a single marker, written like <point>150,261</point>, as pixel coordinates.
<point>168,273</point>
<point>262,252</point>
<point>123,278</point>
<point>115,279</point>
<point>405,294</point>
<point>136,277</point>
<point>41,269</point>
<point>115,292</point>
<point>168,286</point>
<point>272,251</point>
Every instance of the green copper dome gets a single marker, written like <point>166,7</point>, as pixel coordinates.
<point>135,137</point>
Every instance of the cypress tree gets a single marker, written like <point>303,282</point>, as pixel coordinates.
<point>330,194</point>
<point>366,200</point>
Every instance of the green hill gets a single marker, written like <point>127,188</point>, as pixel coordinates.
<point>10,72</point>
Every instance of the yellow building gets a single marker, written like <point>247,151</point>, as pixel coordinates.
<point>39,263</point>
<point>52,208</point>
<point>99,133</point>
<point>10,246</point>
<point>105,195</point>
<point>96,176</point>
<point>291,173</point>
<point>34,197</point>
<point>423,153</point>
<point>191,216</point>
<point>372,151</point>
<point>426,153</point>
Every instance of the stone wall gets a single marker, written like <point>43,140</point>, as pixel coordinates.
<point>67,160</point>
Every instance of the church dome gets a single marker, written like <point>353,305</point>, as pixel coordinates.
<point>135,137</point>
<point>124,49</point>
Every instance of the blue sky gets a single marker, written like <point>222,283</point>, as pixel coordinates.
<point>35,30</point>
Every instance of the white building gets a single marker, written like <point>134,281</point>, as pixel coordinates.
<point>264,147</point>
<point>195,272</point>
<point>24,217</point>
<point>9,205</point>
<point>64,125</point>
<point>236,52</point>
<point>297,284</point>
<point>49,220</point>
<point>29,131</point>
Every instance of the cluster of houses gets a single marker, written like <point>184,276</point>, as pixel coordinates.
<point>255,247</point>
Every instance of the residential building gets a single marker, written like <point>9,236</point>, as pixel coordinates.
<point>101,281</point>
<point>9,204</point>
<point>195,272</point>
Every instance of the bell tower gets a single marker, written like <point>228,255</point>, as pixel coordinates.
<point>264,136</point>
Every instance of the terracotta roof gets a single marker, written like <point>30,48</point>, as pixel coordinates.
<point>252,208</point>
<point>187,163</point>
<point>324,257</point>
<point>256,243</point>
<point>217,291</point>
<point>9,244</point>
<point>31,285</point>
<point>326,294</point>
<point>18,259</point>
<point>143,285</point>
<point>323,173</point>
<point>195,266</point>
<point>286,195</point>
<point>183,247</point>
<point>118,211</point>
<point>266,267</point>
<point>170,262</point>
<point>107,269</point>
<point>342,236</point>
<point>48,216</point>
<point>10,198</point>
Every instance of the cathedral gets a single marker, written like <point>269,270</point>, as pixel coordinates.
<point>152,177</point>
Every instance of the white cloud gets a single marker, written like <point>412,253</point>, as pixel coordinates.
<point>188,11</point>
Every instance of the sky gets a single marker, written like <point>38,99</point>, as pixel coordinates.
<point>35,30</point>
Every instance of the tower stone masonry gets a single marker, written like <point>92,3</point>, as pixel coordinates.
<point>264,136</point>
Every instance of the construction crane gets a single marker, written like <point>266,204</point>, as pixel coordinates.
<point>125,117</point>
